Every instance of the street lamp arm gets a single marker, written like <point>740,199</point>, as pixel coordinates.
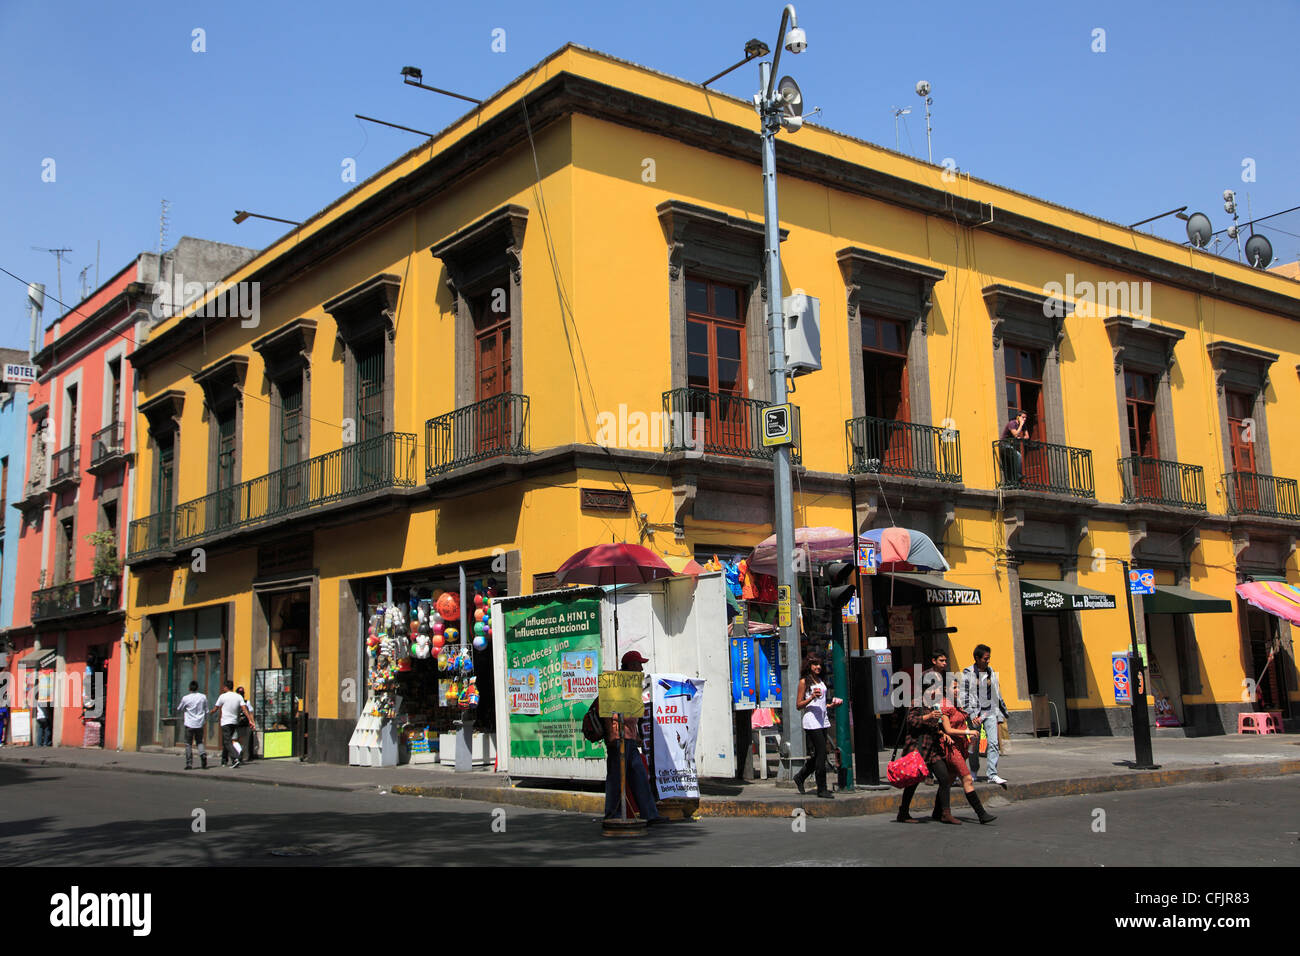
<point>787,15</point>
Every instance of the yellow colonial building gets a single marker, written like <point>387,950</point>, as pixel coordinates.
<point>484,355</point>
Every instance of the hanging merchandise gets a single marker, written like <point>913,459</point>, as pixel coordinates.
<point>449,606</point>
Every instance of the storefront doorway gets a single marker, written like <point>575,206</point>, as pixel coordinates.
<point>190,648</point>
<point>1270,662</point>
<point>279,692</point>
<point>1046,663</point>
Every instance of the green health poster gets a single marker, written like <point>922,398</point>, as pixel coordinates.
<point>552,665</point>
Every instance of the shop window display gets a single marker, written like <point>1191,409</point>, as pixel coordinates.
<point>419,674</point>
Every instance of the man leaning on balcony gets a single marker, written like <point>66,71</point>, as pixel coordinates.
<point>1012,461</point>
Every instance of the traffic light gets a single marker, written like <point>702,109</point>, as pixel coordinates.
<point>837,577</point>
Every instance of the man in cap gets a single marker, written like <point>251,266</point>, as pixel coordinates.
<point>638,783</point>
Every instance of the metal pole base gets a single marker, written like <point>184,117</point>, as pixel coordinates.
<point>623,828</point>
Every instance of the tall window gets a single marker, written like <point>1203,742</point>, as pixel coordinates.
<point>226,471</point>
<point>370,391</point>
<point>291,441</point>
<point>165,479</point>
<point>492,370</point>
<point>1024,369</point>
<point>69,555</point>
<point>1140,391</point>
<point>715,361</point>
<point>115,391</point>
<point>1240,434</point>
<point>72,416</point>
<point>884,367</point>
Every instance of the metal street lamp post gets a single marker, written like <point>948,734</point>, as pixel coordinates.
<point>770,105</point>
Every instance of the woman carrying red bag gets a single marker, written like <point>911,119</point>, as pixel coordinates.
<point>924,735</point>
<point>956,736</point>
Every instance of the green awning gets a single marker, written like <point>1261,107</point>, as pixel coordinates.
<point>1176,600</point>
<point>1052,596</point>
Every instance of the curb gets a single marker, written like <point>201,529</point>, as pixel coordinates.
<point>845,806</point>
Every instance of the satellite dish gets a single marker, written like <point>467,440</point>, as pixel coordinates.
<point>1259,251</point>
<point>791,96</point>
<point>1199,229</point>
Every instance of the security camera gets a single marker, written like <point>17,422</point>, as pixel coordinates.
<point>795,40</point>
<point>922,88</point>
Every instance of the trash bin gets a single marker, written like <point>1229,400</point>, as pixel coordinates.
<point>1041,709</point>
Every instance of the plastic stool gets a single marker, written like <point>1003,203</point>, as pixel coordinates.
<point>1256,724</point>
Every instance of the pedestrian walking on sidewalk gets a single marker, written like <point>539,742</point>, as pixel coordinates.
<point>981,698</point>
<point>923,729</point>
<point>815,703</point>
<point>244,733</point>
<point>957,736</point>
<point>231,705</point>
<point>194,706</point>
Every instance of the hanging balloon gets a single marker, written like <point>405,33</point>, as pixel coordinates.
<point>449,606</point>
<point>478,600</point>
<point>437,627</point>
<point>480,642</point>
<point>452,634</point>
<point>437,643</point>
<point>478,614</point>
<point>479,630</point>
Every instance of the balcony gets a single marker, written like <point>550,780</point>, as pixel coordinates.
<point>879,446</point>
<point>703,422</point>
<point>496,427</point>
<point>150,535</point>
<point>94,595</point>
<point>35,496</point>
<point>65,471</point>
<point>1040,466</point>
<point>107,449</point>
<point>376,464</point>
<point>1158,482</point>
<point>1252,494</point>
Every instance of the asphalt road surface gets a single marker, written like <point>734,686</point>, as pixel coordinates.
<point>65,817</point>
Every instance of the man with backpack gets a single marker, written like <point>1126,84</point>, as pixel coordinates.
<point>231,706</point>
<point>638,782</point>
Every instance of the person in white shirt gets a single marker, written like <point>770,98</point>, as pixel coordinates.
<point>195,708</point>
<point>816,703</point>
<point>230,704</point>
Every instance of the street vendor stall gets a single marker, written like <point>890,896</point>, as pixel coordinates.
<point>553,644</point>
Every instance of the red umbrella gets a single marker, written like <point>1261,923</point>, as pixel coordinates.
<point>610,564</point>
<point>613,564</point>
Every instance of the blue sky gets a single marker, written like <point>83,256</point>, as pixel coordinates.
<point>1183,94</point>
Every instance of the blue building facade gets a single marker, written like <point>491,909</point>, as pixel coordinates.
<point>13,471</point>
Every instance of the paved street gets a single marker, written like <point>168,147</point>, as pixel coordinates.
<point>58,816</point>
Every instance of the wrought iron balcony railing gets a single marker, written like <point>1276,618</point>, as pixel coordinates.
<point>493,428</point>
<point>153,533</point>
<point>1160,482</point>
<point>66,467</point>
<point>107,445</point>
<point>885,447</point>
<point>77,597</point>
<point>1041,466</point>
<point>703,422</point>
<point>385,461</point>
<point>1252,494</point>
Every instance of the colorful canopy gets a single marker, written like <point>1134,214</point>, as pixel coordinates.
<point>683,564</point>
<point>822,544</point>
<point>899,546</point>
<point>1275,597</point>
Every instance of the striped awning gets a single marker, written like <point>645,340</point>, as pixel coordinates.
<point>1275,597</point>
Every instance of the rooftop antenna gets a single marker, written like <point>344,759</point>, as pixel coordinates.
<point>1230,206</point>
<point>162,226</point>
<point>900,111</point>
<point>84,283</point>
<point>58,257</point>
<point>923,90</point>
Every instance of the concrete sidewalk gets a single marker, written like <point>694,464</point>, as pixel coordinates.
<point>1042,767</point>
